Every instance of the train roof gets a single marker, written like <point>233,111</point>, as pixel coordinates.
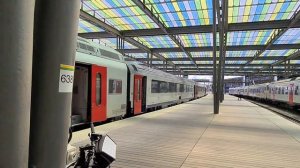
<point>142,69</point>
<point>91,48</point>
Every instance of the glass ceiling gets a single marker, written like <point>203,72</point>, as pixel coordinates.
<point>277,52</point>
<point>248,53</point>
<point>262,61</point>
<point>259,37</point>
<point>261,10</point>
<point>202,54</point>
<point>182,13</point>
<point>182,62</point>
<point>291,36</point>
<point>204,62</point>
<point>85,27</point>
<point>156,41</point>
<point>235,62</point>
<point>126,15</point>
<point>174,55</point>
<point>122,14</point>
<point>197,40</point>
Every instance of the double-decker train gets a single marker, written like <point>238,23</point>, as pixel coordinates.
<point>106,86</point>
<point>284,92</point>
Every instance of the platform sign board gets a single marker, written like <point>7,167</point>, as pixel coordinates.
<point>66,78</point>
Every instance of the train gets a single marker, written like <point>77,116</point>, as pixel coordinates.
<point>108,85</point>
<point>284,92</point>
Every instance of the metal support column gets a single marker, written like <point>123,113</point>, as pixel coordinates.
<point>216,99</point>
<point>285,70</point>
<point>16,40</point>
<point>166,65</point>
<point>289,68</point>
<point>148,57</point>
<point>55,36</point>
<point>151,58</point>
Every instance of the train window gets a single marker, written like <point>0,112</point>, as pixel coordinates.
<point>287,90</point>
<point>82,46</point>
<point>154,86</point>
<point>115,86</point>
<point>181,88</point>
<point>296,90</point>
<point>172,87</point>
<point>98,89</point>
<point>163,87</point>
<point>282,90</point>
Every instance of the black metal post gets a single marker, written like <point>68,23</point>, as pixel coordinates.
<point>55,36</point>
<point>16,41</point>
<point>216,99</point>
<point>151,58</point>
<point>148,61</point>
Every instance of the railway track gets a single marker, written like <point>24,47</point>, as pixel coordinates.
<point>292,115</point>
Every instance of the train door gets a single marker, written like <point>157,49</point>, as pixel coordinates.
<point>137,94</point>
<point>291,94</point>
<point>81,95</point>
<point>99,93</point>
<point>144,93</point>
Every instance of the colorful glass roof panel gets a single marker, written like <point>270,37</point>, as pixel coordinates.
<point>261,10</point>
<point>259,37</point>
<point>197,40</point>
<point>202,54</point>
<point>248,53</point>
<point>204,62</point>
<point>121,14</point>
<point>277,52</point>
<point>174,55</point>
<point>85,27</point>
<point>262,61</point>
<point>156,41</point>
<point>235,62</point>
<point>183,62</point>
<point>291,36</point>
<point>182,13</point>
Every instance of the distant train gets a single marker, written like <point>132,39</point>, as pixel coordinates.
<point>106,86</point>
<point>280,92</point>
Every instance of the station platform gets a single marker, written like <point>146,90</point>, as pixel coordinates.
<point>190,135</point>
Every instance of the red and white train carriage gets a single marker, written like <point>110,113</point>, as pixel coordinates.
<point>106,86</point>
<point>283,91</point>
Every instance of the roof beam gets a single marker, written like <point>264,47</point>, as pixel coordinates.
<point>241,58</point>
<point>264,25</point>
<point>277,34</point>
<point>230,73</point>
<point>229,65</point>
<point>158,21</point>
<point>87,17</point>
<point>210,48</point>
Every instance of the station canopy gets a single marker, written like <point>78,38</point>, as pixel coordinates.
<point>258,36</point>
